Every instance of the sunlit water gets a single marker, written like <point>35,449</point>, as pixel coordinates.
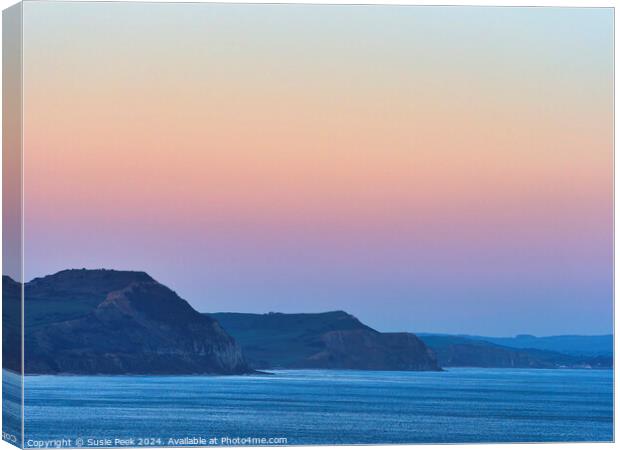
<point>321,407</point>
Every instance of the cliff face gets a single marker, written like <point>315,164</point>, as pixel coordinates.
<point>333,340</point>
<point>370,350</point>
<point>116,322</point>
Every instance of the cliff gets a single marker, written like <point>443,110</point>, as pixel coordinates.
<point>119,322</point>
<point>331,340</point>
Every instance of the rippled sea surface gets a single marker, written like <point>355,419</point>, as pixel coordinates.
<point>322,407</point>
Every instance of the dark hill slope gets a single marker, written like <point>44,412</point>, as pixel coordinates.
<point>331,340</point>
<point>118,322</point>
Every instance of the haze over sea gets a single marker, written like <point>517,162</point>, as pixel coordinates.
<point>325,407</point>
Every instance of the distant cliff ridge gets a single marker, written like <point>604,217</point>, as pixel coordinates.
<point>478,351</point>
<point>118,322</point>
<point>331,340</point>
<point>577,345</point>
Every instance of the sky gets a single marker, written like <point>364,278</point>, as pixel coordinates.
<point>437,169</point>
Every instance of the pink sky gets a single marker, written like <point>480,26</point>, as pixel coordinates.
<point>426,169</point>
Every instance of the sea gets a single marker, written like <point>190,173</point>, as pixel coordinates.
<point>297,407</point>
